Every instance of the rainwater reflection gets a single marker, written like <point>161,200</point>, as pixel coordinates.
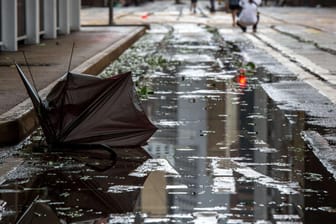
<point>239,158</point>
<point>224,153</point>
<point>72,187</point>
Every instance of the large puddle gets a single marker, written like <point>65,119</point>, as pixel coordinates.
<point>224,153</point>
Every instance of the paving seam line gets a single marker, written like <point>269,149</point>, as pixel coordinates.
<point>302,61</point>
<point>325,46</point>
<point>296,69</point>
<point>284,21</point>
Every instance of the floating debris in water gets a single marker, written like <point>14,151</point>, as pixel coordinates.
<point>264,150</point>
<point>328,209</point>
<point>152,165</point>
<point>283,187</point>
<point>224,184</point>
<point>210,217</point>
<point>170,123</point>
<point>127,218</point>
<point>313,176</point>
<point>281,217</point>
<point>182,186</point>
<point>118,189</point>
<point>185,149</point>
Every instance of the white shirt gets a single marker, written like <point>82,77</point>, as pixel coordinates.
<point>248,15</point>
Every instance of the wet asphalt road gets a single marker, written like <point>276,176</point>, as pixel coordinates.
<point>228,149</point>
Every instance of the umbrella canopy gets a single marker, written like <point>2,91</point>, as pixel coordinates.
<point>86,109</point>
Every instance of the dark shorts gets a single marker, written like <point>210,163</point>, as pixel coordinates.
<point>234,7</point>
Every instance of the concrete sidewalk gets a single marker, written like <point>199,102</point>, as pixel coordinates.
<point>314,25</point>
<point>306,36</point>
<point>322,19</point>
<point>95,48</point>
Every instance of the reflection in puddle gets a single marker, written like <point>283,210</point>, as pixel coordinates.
<point>169,123</point>
<point>242,159</point>
<point>223,154</point>
<point>71,187</point>
<point>152,165</point>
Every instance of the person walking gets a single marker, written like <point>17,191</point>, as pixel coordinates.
<point>234,8</point>
<point>249,15</point>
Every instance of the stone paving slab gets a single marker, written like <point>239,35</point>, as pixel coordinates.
<point>325,41</point>
<point>318,18</point>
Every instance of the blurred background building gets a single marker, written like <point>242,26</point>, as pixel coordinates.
<point>29,21</point>
<point>104,3</point>
<point>97,3</point>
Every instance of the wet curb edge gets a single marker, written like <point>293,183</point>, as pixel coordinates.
<point>20,121</point>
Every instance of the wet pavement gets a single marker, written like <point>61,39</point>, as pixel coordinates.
<point>230,148</point>
<point>240,156</point>
<point>225,152</point>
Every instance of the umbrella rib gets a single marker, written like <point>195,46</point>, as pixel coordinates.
<point>62,103</point>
